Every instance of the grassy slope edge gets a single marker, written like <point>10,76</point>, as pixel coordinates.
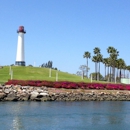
<point>36,73</point>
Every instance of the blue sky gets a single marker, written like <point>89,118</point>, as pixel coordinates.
<point>62,30</point>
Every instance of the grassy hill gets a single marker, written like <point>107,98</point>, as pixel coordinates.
<point>36,73</point>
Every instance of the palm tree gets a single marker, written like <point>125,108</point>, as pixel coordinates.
<point>87,55</point>
<point>110,49</point>
<point>105,62</point>
<point>117,67</point>
<point>94,59</point>
<point>113,57</point>
<point>121,63</point>
<point>99,59</point>
<point>96,51</point>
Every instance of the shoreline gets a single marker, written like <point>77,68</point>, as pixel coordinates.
<point>29,93</point>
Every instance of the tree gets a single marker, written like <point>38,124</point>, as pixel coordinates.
<point>30,65</point>
<point>94,76</point>
<point>79,73</point>
<point>87,55</point>
<point>110,50</point>
<point>96,51</point>
<point>113,57</point>
<point>99,59</point>
<point>49,64</point>
<point>94,59</point>
<point>121,64</point>
<point>105,62</point>
<point>84,69</point>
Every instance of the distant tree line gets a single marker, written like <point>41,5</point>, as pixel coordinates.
<point>114,66</point>
<point>49,64</point>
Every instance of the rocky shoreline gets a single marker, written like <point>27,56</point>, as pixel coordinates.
<point>27,93</point>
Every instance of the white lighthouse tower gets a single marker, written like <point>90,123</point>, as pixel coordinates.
<point>20,61</point>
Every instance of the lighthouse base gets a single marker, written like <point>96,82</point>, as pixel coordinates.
<point>20,63</point>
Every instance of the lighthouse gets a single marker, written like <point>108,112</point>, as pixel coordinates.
<point>20,61</point>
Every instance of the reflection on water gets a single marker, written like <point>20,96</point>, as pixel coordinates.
<point>17,123</point>
<point>65,115</point>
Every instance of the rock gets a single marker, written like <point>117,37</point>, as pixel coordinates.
<point>8,86</point>
<point>15,87</point>
<point>1,91</point>
<point>11,97</point>
<point>25,98</point>
<point>25,93</point>
<point>45,88</point>
<point>34,95</point>
<point>39,90</point>
<point>24,90</point>
<point>43,94</point>
<point>43,99</point>
<point>14,91</point>
<point>37,99</point>
<point>1,87</point>
<point>25,87</point>
<point>19,90</point>
<point>2,95</point>
<point>7,91</point>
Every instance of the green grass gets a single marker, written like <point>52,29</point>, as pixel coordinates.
<point>36,73</point>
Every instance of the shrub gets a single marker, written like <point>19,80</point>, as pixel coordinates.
<point>68,85</point>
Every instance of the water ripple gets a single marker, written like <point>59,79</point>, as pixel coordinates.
<point>92,115</point>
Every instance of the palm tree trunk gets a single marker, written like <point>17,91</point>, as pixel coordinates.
<point>110,73</point>
<point>117,73</point>
<point>105,71</point>
<point>87,68</point>
<point>95,71</point>
<point>99,72</point>
<point>120,75</point>
<point>114,72</point>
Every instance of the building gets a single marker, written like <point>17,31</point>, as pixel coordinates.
<point>20,57</point>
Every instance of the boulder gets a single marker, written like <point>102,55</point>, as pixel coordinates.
<point>43,94</point>
<point>11,97</point>
<point>2,95</point>
<point>34,94</point>
<point>44,99</point>
<point>1,91</point>
<point>1,87</point>
<point>7,91</point>
<point>8,86</point>
<point>40,90</point>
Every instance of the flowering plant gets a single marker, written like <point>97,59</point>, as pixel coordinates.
<point>69,85</point>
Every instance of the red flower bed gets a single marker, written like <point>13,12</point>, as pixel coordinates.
<point>57,85</point>
<point>46,83</point>
<point>82,85</point>
<point>68,85</point>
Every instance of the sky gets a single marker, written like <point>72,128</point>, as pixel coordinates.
<point>62,30</point>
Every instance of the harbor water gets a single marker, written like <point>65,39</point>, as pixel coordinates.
<point>81,115</point>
